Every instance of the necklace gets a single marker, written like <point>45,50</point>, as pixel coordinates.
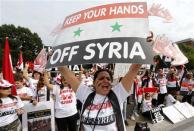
<point>97,112</point>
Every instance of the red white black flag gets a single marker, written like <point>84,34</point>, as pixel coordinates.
<point>20,64</point>
<point>112,33</point>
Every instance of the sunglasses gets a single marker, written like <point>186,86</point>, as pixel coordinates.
<point>5,88</point>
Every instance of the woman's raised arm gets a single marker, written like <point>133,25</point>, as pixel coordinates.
<point>69,77</point>
<point>128,79</point>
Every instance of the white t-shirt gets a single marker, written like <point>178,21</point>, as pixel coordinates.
<point>33,84</point>
<point>8,108</point>
<point>42,94</point>
<point>106,120</point>
<point>65,102</point>
<point>87,81</point>
<point>169,100</point>
<point>162,85</point>
<point>25,91</point>
<point>147,105</point>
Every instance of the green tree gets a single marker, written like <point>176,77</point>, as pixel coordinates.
<point>20,39</point>
<point>188,51</point>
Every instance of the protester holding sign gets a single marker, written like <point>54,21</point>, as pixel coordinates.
<point>66,113</point>
<point>161,81</point>
<point>10,107</point>
<point>149,81</point>
<point>172,83</point>
<point>187,86</point>
<point>102,106</point>
<point>147,105</point>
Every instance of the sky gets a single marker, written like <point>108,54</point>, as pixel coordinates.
<point>43,16</point>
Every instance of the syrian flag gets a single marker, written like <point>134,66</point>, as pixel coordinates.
<point>112,33</point>
<point>40,61</point>
<point>7,67</point>
<point>20,64</point>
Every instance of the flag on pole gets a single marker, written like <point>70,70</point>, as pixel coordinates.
<point>40,61</point>
<point>20,64</point>
<point>7,67</point>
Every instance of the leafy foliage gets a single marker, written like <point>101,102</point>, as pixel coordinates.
<point>20,39</point>
<point>188,51</point>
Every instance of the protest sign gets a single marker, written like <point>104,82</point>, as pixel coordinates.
<point>40,61</point>
<point>173,114</point>
<point>156,115</point>
<point>185,108</point>
<point>113,33</point>
<point>75,67</point>
<point>120,70</point>
<point>39,117</point>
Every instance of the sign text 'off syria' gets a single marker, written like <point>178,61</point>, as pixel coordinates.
<point>100,50</point>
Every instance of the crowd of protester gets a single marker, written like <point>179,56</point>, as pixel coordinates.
<point>150,89</point>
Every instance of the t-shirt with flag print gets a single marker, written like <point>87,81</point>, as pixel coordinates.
<point>8,108</point>
<point>105,119</point>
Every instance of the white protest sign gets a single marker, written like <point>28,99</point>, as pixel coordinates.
<point>173,114</point>
<point>189,108</point>
<point>120,70</point>
<point>112,33</point>
<point>39,117</point>
<point>185,109</point>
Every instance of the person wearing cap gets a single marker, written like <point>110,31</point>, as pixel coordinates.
<point>10,107</point>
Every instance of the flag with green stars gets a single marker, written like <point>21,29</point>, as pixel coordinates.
<point>112,33</point>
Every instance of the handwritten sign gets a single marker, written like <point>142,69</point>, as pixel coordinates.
<point>156,115</point>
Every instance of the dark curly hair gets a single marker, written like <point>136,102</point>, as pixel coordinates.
<point>101,70</point>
